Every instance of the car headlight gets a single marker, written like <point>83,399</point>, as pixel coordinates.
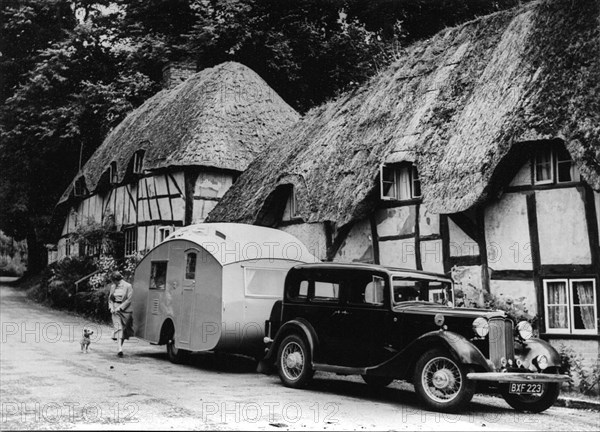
<point>481,327</point>
<point>542,361</point>
<point>525,330</point>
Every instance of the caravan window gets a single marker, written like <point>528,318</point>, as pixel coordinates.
<point>158,275</point>
<point>264,282</point>
<point>190,266</point>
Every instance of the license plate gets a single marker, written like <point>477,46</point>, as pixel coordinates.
<point>525,388</point>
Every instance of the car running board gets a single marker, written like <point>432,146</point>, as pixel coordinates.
<point>342,370</point>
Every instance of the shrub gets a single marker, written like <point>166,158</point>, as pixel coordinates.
<point>587,379</point>
<point>516,309</point>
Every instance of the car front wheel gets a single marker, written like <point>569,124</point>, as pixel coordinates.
<point>534,403</point>
<point>294,362</point>
<point>441,382</point>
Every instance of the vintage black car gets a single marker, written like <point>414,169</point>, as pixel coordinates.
<point>386,324</point>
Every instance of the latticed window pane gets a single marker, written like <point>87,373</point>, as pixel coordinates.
<point>388,182</point>
<point>190,266</point>
<point>584,305</point>
<point>416,181</point>
<point>543,166</point>
<point>130,241</point>
<point>557,305</point>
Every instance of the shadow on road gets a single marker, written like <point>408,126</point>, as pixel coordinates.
<point>216,362</point>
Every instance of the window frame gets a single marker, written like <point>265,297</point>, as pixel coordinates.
<point>80,188</point>
<point>397,170</point>
<point>188,253</point>
<point>161,232</point>
<point>152,263</point>
<point>138,162</point>
<point>113,177</point>
<point>263,296</point>
<point>128,242</point>
<point>570,330</point>
<point>535,167</point>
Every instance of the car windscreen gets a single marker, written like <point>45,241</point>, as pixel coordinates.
<point>415,289</point>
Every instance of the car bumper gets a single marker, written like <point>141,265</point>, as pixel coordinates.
<point>517,377</point>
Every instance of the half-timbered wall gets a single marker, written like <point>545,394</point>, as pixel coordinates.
<point>153,206</point>
<point>147,205</point>
<point>209,188</point>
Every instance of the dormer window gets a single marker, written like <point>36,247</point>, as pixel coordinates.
<point>80,187</point>
<point>112,173</point>
<point>554,165</point>
<point>291,206</point>
<point>138,162</point>
<point>399,182</point>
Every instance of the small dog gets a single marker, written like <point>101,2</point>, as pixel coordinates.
<point>85,340</point>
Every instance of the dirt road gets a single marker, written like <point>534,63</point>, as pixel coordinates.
<point>47,383</point>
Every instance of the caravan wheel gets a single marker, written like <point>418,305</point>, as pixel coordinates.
<point>176,355</point>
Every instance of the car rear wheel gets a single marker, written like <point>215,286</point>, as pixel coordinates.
<point>534,403</point>
<point>377,381</point>
<point>176,355</point>
<point>441,382</point>
<point>294,362</point>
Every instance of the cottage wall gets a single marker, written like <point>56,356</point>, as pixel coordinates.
<point>149,205</point>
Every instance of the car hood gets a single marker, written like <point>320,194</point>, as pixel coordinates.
<point>427,308</point>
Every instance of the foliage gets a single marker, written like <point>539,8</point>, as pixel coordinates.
<point>308,51</point>
<point>516,309</point>
<point>13,256</point>
<point>72,69</point>
<point>100,236</point>
<point>80,87</point>
<point>587,378</point>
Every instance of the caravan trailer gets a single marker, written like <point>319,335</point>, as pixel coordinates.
<point>211,287</point>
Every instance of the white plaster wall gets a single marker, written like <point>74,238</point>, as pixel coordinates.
<point>201,209</point>
<point>562,227</point>
<point>398,253</point>
<point>312,235</point>
<point>507,233</point>
<point>431,256</point>
<point>429,223</point>
<point>523,290</point>
<point>460,243</point>
<point>396,221</point>
<point>523,177</point>
<point>212,185</point>
<point>358,245</point>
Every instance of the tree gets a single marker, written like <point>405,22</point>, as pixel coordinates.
<point>79,89</point>
<point>308,51</point>
<point>27,27</point>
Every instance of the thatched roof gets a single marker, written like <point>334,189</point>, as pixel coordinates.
<point>221,117</point>
<point>454,105</point>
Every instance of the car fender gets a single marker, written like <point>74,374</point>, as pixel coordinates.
<point>458,345</point>
<point>464,351</point>
<point>298,326</point>
<point>535,347</point>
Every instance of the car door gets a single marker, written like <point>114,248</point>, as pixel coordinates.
<point>365,318</point>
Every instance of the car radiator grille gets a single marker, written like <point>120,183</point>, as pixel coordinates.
<point>501,341</point>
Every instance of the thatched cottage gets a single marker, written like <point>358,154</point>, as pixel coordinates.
<point>477,153</point>
<point>168,162</point>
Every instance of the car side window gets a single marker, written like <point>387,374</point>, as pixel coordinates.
<point>299,291</point>
<point>326,291</point>
<point>366,292</point>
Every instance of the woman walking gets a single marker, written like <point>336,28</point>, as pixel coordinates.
<point>119,305</point>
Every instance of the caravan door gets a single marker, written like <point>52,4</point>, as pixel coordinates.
<point>188,298</point>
